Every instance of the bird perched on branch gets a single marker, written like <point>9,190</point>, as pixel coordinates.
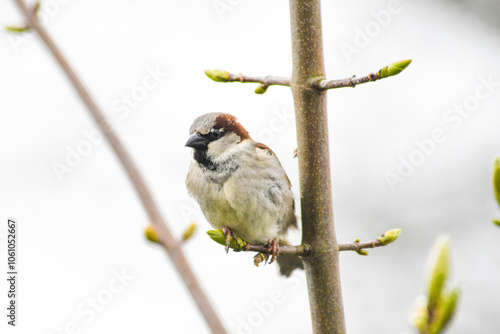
<point>241,186</point>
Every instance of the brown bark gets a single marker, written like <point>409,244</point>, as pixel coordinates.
<point>322,264</point>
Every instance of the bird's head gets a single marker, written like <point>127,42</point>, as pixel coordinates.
<point>214,136</point>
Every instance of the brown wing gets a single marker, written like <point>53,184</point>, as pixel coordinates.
<point>265,148</point>
<point>293,219</point>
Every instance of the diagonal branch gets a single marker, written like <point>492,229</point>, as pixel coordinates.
<point>388,71</point>
<point>170,244</point>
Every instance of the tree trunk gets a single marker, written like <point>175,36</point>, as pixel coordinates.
<point>322,266</point>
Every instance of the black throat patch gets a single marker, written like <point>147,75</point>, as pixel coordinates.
<point>201,157</point>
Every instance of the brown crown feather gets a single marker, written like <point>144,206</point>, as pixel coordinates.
<point>228,123</point>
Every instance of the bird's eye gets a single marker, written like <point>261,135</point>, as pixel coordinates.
<point>216,134</point>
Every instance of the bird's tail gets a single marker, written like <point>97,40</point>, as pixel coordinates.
<point>288,263</point>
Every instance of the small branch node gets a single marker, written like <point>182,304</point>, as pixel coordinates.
<point>351,82</point>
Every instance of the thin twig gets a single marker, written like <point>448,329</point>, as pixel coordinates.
<point>385,239</point>
<point>349,82</point>
<point>357,246</point>
<point>300,250</point>
<point>266,81</point>
<point>170,244</point>
<point>317,82</point>
<point>385,72</point>
<point>240,245</point>
<point>305,249</point>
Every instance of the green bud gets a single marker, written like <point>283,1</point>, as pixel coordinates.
<point>440,268</point>
<point>259,258</point>
<point>496,179</point>
<point>444,310</point>
<point>219,237</point>
<point>362,252</point>
<point>420,315</point>
<point>496,222</point>
<point>188,233</point>
<point>389,236</point>
<point>17,29</point>
<point>151,234</point>
<point>261,89</point>
<point>394,68</point>
<point>217,75</point>
<point>37,7</point>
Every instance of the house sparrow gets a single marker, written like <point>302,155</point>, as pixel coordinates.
<point>241,186</point>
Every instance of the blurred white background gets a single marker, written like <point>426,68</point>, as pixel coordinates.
<point>78,230</point>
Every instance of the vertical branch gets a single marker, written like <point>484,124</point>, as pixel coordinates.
<point>170,244</point>
<point>322,266</point>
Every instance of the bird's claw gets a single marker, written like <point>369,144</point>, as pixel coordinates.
<point>274,249</point>
<point>227,233</point>
<point>230,233</point>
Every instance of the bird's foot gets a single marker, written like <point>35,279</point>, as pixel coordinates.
<point>230,233</point>
<point>274,249</point>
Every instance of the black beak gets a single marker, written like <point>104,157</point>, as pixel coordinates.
<point>197,142</point>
